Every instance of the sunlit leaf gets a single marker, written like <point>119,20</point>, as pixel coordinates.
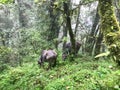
<point>102,54</point>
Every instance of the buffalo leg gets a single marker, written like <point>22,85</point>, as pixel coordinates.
<point>54,64</point>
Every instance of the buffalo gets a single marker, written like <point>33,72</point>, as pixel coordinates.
<point>49,56</point>
<point>68,49</point>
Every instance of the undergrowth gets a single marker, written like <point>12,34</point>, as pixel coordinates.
<point>81,74</point>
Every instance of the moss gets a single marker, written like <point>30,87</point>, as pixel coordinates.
<point>110,28</point>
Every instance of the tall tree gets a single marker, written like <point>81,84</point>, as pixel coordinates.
<point>22,14</point>
<point>93,43</point>
<point>110,28</point>
<point>92,36</point>
<point>54,24</point>
<point>117,5</point>
<point>98,43</point>
<point>6,25</point>
<point>68,25</point>
<point>78,17</point>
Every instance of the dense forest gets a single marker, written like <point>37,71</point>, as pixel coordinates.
<point>59,45</point>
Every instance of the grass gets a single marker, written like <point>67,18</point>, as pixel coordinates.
<point>82,74</point>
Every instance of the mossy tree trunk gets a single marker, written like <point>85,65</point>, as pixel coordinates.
<point>110,28</point>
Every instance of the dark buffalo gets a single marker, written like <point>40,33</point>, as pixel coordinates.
<point>68,49</point>
<point>49,56</point>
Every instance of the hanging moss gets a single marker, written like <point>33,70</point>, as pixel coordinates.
<point>110,28</point>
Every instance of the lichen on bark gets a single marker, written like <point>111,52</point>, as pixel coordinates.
<point>110,28</point>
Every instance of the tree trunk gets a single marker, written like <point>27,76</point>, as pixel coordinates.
<point>117,6</point>
<point>110,28</point>
<point>69,28</point>
<point>54,25</point>
<point>98,43</point>
<point>92,38</point>
<point>77,21</point>
<point>64,35</point>
<point>2,37</point>
<point>22,15</point>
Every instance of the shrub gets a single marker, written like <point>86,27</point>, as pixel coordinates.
<point>61,84</point>
<point>4,57</point>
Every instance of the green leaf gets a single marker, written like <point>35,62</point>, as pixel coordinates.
<point>111,27</point>
<point>102,54</point>
<point>36,1</point>
<point>6,1</point>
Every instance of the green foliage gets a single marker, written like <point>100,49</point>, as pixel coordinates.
<point>6,1</point>
<point>61,84</point>
<point>4,57</point>
<point>4,51</point>
<point>87,1</point>
<point>112,81</point>
<point>32,42</point>
<point>83,74</point>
